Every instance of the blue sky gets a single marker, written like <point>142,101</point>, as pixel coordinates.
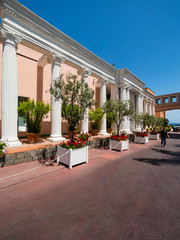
<point>143,36</point>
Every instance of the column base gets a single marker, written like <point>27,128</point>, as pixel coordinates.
<point>103,132</point>
<point>126,130</point>
<point>85,131</point>
<point>15,143</point>
<point>56,139</point>
<point>138,129</point>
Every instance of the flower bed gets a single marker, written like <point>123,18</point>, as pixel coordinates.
<point>72,153</point>
<point>119,138</point>
<point>73,145</point>
<point>84,136</point>
<point>119,142</point>
<point>139,134</point>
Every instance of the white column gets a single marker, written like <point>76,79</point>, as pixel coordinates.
<point>85,121</point>
<point>141,103</point>
<point>150,108</point>
<point>139,109</point>
<point>56,134</point>
<point>123,98</point>
<point>127,118</point>
<point>9,95</point>
<point>102,101</point>
<point>153,108</point>
<point>145,106</point>
<point>114,96</point>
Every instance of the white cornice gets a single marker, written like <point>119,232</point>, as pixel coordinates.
<point>129,75</point>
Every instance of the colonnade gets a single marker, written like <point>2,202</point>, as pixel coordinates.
<point>9,97</point>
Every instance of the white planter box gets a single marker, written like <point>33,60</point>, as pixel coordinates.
<point>122,145</point>
<point>141,139</point>
<point>72,157</point>
<point>154,136</point>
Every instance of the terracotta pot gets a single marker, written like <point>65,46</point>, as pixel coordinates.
<point>33,137</point>
<point>109,130</point>
<point>95,132</point>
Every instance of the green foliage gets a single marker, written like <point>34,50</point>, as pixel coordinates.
<point>95,116</point>
<point>148,120</point>
<point>159,122</point>
<point>2,148</point>
<point>33,114</point>
<point>120,110</point>
<point>75,96</point>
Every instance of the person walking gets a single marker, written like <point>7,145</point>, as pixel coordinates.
<point>164,135</point>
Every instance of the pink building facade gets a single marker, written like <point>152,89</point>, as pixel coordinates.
<point>33,53</point>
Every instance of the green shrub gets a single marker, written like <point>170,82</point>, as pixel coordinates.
<point>33,114</point>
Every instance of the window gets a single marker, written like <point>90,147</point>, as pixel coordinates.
<point>173,99</point>
<point>21,123</point>
<point>165,100</point>
<point>158,101</point>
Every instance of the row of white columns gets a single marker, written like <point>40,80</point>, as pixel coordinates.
<point>9,96</point>
<point>149,107</point>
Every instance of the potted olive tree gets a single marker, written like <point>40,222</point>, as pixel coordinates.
<point>120,110</point>
<point>75,97</point>
<point>95,116</point>
<point>33,114</point>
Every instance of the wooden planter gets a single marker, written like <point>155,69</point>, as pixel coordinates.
<point>154,136</point>
<point>121,146</point>
<point>33,137</point>
<point>71,157</point>
<point>143,140</point>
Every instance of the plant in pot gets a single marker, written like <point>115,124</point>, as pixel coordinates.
<point>33,114</point>
<point>2,153</point>
<point>119,111</point>
<point>94,117</point>
<point>141,137</point>
<point>75,97</point>
<point>110,118</point>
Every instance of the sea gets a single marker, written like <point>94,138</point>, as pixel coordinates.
<point>176,125</point>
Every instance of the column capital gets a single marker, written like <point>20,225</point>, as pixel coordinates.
<point>86,71</point>
<point>104,80</point>
<point>56,59</point>
<point>9,37</point>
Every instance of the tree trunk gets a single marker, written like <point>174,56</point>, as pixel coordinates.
<point>72,136</point>
<point>118,130</point>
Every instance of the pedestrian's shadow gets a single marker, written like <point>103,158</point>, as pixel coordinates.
<point>172,158</point>
<point>177,145</point>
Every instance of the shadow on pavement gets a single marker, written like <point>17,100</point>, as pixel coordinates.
<point>174,160</point>
<point>174,135</point>
<point>177,145</point>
